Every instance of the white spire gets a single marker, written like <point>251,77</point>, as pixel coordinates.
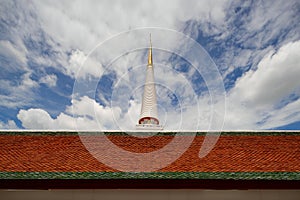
<point>149,116</point>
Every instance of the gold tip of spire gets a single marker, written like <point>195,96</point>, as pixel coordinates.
<point>150,61</point>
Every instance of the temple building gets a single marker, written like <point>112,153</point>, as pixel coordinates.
<point>149,115</point>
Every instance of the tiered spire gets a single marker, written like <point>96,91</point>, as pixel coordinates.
<point>149,116</point>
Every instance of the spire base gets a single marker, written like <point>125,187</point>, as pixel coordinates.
<point>148,120</point>
<point>149,127</point>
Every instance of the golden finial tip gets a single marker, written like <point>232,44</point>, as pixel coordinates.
<point>150,61</point>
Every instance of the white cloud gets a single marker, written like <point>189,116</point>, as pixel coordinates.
<point>250,30</point>
<point>27,82</point>
<point>22,42</point>
<point>130,118</point>
<point>256,94</point>
<point>276,77</point>
<point>82,66</point>
<point>82,24</point>
<point>13,52</point>
<point>49,80</point>
<point>20,94</point>
<point>35,119</point>
<point>89,108</point>
<point>9,125</point>
<point>286,115</point>
<point>86,114</point>
<point>83,114</point>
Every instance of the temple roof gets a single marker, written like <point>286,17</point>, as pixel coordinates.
<point>237,155</point>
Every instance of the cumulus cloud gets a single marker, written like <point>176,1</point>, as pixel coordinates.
<point>9,125</point>
<point>255,100</point>
<point>35,119</point>
<point>89,108</point>
<point>91,66</point>
<point>86,114</point>
<point>83,114</point>
<point>276,77</point>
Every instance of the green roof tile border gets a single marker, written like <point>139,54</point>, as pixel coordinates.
<point>170,133</point>
<point>153,175</point>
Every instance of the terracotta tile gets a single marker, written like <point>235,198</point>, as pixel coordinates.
<point>231,153</point>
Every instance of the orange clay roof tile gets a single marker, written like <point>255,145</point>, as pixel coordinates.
<point>232,153</point>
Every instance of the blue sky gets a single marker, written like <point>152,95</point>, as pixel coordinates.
<point>80,64</point>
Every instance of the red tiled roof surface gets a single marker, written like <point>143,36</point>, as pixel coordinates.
<point>232,153</point>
